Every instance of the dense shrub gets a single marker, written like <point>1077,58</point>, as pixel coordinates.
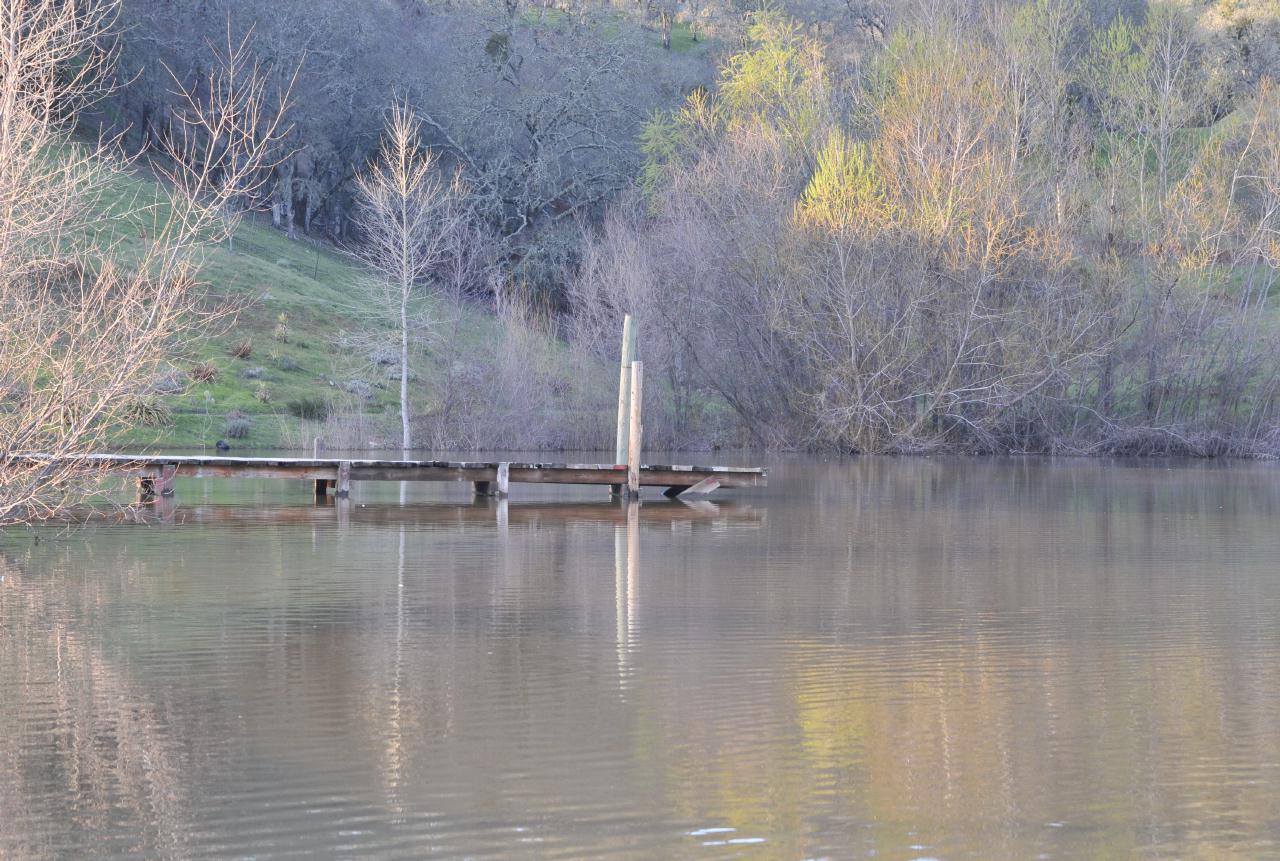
<point>309,408</point>
<point>149,412</point>
<point>238,425</point>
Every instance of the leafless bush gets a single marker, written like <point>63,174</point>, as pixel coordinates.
<point>520,387</point>
<point>345,426</point>
<point>204,372</point>
<point>238,425</point>
<point>692,315</point>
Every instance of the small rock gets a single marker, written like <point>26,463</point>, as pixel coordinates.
<point>384,356</point>
<point>393,373</point>
<point>169,384</point>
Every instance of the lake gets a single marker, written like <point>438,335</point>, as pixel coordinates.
<point>873,658</point>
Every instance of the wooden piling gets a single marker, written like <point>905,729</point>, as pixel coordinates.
<point>344,479</point>
<point>624,394</point>
<point>635,430</point>
<point>504,479</point>
<point>168,473</point>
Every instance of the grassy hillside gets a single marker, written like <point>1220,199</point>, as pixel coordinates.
<point>301,313</point>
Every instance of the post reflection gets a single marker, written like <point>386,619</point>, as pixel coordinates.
<point>626,563</point>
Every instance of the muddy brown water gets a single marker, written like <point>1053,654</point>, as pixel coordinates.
<point>877,658</point>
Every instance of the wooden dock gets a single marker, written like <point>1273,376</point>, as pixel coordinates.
<point>156,473</point>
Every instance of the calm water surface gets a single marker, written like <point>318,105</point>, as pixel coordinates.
<point>898,659</point>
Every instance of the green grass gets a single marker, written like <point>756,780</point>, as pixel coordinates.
<point>682,40</point>
<point>545,17</point>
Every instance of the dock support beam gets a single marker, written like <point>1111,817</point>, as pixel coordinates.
<point>707,485</point>
<point>635,431</point>
<point>624,396</point>
<point>168,473</point>
<point>151,486</point>
<point>500,487</point>
<point>344,479</point>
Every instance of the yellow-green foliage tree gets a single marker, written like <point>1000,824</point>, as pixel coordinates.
<point>1000,236</point>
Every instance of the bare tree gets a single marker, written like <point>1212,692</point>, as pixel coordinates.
<point>95,293</point>
<point>409,213</point>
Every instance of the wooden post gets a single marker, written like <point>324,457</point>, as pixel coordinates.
<point>165,508</point>
<point>624,394</point>
<point>167,474</point>
<point>146,489</point>
<point>344,479</point>
<point>635,431</point>
<point>504,479</point>
<point>323,485</point>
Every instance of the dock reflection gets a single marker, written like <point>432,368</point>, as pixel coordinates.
<point>482,512</point>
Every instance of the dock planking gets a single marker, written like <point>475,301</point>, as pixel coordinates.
<point>156,473</point>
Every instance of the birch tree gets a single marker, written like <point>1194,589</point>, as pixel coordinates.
<point>409,213</point>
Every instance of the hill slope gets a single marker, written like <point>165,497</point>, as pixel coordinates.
<point>303,343</point>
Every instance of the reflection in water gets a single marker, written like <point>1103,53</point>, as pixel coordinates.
<point>880,658</point>
<point>626,586</point>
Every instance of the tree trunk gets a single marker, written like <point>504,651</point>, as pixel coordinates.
<point>284,197</point>
<point>405,441</point>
